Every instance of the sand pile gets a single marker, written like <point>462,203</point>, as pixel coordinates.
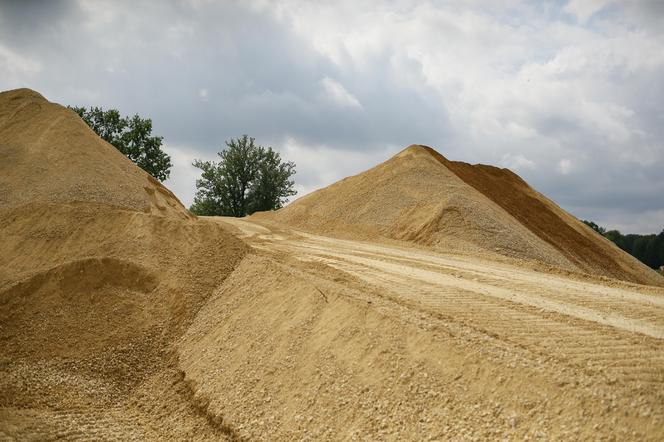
<point>49,155</point>
<point>101,269</point>
<point>122,317</point>
<point>420,196</point>
<point>319,338</point>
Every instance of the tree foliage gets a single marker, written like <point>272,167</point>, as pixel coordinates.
<point>649,249</point>
<point>130,135</point>
<point>595,227</point>
<point>247,178</point>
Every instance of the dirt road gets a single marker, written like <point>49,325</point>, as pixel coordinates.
<point>592,338</point>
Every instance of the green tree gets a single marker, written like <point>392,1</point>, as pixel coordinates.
<point>273,184</point>
<point>595,227</point>
<point>247,178</point>
<point>130,135</point>
<point>616,237</point>
<point>649,249</point>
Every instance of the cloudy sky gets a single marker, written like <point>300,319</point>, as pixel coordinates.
<point>568,94</point>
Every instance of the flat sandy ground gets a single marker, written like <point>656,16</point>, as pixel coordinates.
<point>558,356</point>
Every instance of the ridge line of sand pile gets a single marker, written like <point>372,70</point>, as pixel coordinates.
<point>420,197</point>
<point>68,162</point>
<point>516,197</point>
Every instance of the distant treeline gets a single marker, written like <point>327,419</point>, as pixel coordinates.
<point>649,249</point>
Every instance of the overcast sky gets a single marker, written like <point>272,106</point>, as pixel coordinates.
<point>568,94</point>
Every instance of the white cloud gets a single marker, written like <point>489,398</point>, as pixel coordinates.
<point>517,162</point>
<point>183,175</point>
<point>564,166</point>
<point>338,94</point>
<point>15,65</point>
<point>648,221</point>
<point>320,165</point>
<point>584,9</point>
<point>204,94</point>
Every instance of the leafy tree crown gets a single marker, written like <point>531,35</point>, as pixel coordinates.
<point>246,179</point>
<point>130,135</point>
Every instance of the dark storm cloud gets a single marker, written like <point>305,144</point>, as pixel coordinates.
<point>25,22</point>
<point>256,76</point>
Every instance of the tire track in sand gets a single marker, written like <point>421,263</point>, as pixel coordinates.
<point>614,332</point>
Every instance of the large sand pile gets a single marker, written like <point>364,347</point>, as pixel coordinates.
<point>49,155</point>
<point>123,317</point>
<point>420,196</point>
<point>101,269</point>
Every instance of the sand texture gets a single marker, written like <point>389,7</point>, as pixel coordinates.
<point>421,300</point>
<point>101,269</point>
<point>421,197</point>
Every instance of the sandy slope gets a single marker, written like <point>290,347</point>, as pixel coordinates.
<point>122,317</point>
<point>320,338</point>
<point>101,269</point>
<point>49,155</point>
<point>419,196</point>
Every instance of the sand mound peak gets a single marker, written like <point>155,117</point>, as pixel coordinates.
<point>48,154</point>
<point>413,149</point>
<point>420,196</point>
<point>22,94</point>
